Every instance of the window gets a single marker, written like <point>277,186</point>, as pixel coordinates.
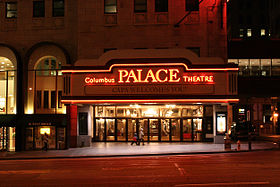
<point>83,123</point>
<point>48,67</point>
<point>275,67</point>
<point>58,8</point>
<point>262,32</point>
<point>241,33</point>
<point>265,67</point>
<point>267,113</point>
<point>110,6</point>
<point>7,86</point>
<point>39,98</point>
<point>234,61</point>
<point>11,10</point>
<point>53,99</point>
<point>140,5</point>
<point>38,8</point>
<point>255,67</point>
<point>59,99</point>
<point>244,67</point>
<point>249,32</point>
<point>192,5</point>
<point>161,5</point>
<point>46,99</point>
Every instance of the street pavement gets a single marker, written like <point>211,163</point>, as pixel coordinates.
<point>117,149</point>
<point>254,168</point>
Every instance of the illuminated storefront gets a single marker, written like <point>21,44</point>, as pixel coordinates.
<point>37,125</point>
<point>8,99</point>
<point>174,101</point>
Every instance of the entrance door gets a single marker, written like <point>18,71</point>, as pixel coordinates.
<point>197,129</point>
<point>3,138</point>
<point>165,129</point>
<point>175,130</point>
<point>132,128</point>
<point>121,129</point>
<point>154,129</point>
<point>143,123</point>
<point>110,126</point>
<point>187,129</point>
<point>100,130</point>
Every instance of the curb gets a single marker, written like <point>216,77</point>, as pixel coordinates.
<point>135,155</point>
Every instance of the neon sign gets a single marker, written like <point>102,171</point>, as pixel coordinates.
<point>149,76</point>
<point>169,75</point>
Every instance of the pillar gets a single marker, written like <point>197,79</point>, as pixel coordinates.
<point>72,125</point>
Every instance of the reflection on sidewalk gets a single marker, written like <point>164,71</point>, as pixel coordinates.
<point>125,149</point>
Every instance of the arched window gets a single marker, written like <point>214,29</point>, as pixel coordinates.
<point>7,86</point>
<point>48,66</point>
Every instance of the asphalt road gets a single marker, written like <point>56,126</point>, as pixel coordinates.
<point>234,169</point>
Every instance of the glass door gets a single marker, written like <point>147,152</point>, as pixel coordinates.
<point>154,129</point>
<point>3,138</point>
<point>100,130</point>
<point>175,129</point>
<point>121,129</point>
<point>143,123</point>
<point>165,129</point>
<point>197,129</point>
<point>110,126</point>
<point>132,128</point>
<point>187,129</point>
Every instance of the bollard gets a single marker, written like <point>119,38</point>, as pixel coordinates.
<point>238,145</point>
<point>249,142</point>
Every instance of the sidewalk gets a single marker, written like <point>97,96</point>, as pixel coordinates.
<point>149,149</point>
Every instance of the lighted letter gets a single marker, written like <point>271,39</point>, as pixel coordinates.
<point>157,75</point>
<point>139,71</point>
<point>121,75</point>
<point>150,74</point>
<point>173,75</point>
<point>131,75</point>
<point>87,79</point>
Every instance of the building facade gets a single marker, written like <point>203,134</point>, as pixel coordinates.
<point>42,40</point>
<point>254,46</point>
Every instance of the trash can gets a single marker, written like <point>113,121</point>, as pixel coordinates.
<point>227,142</point>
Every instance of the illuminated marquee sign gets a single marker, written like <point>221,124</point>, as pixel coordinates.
<point>149,76</point>
<point>149,79</point>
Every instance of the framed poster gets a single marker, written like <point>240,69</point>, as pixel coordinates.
<point>221,123</point>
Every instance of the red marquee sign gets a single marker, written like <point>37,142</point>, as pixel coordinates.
<point>149,75</point>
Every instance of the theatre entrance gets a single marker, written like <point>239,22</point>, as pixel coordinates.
<point>160,129</point>
<point>164,123</point>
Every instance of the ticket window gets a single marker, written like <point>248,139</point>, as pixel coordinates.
<point>39,133</point>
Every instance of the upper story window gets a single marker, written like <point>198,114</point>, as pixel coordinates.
<point>192,5</point>
<point>38,8</point>
<point>110,6</point>
<point>58,8</point>
<point>161,5</point>
<point>48,67</point>
<point>241,33</point>
<point>11,9</point>
<point>257,67</point>
<point>249,32</point>
<point>140,5</point>
<point>262,32</point>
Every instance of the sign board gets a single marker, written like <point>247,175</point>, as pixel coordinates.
<point>148,79</point>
